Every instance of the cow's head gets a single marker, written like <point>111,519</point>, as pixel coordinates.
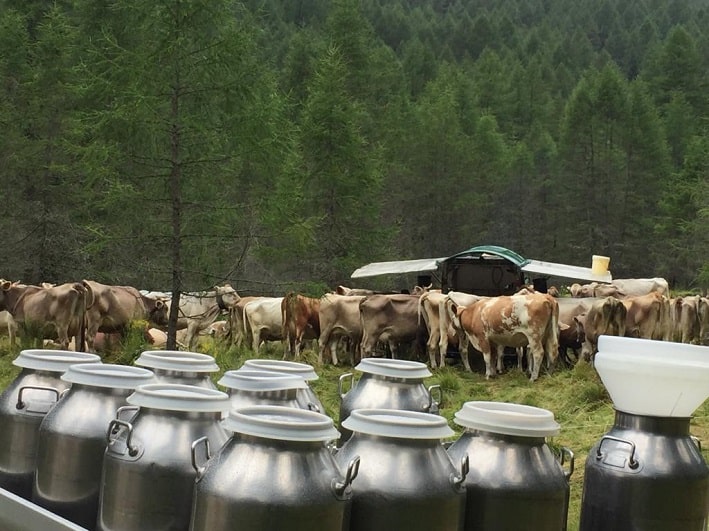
<point>227,297</point>
<point>158,314</point>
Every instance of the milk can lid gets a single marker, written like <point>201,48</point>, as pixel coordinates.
<point>180,397</point>
<point>393,368</point>
<point>52,360</point>
<point>398,423</point>
<point>177,360</point>
<point>281,423</point>
<point>307,372</point>
<point>507,419</point>
<point>108,375</point>
<point>254,380</point>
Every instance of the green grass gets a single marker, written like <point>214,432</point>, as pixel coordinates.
<point>576,396</point>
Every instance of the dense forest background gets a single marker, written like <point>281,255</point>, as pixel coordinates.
<point>284,143</point>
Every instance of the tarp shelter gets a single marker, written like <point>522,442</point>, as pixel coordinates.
<point>484,270</point>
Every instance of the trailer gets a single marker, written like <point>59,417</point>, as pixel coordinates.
<point>488,270</point>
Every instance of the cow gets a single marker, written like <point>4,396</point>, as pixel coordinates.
<point>198,310</point>
<point>703,315</point>
<point>344,290</point>
<point>392,319</point>
<point>449,331</point>
<point>572,311</point>
<point>429,303</point>
<point>55,312</point>
<point>605,316</point>
<point>263,320</point>
<point>8,325</point>
<point>339,319</point>
<point>111,309</point>
<point>648,316</point>
<point>685,318</point>
<point>237,332</point>
<point>301,320</point>
<point>621,288</point>
<point>512,321</point>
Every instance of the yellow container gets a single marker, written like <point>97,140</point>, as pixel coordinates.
<point>599,264</point>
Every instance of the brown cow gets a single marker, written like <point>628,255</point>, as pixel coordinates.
<point>606,316</point>
<point>300,321</point>
<point>648,316</point>
<point>392,319</point>
<point>686,324</point>
<point>339,320</point>
<point>57,311</point>
<point>512,321</point>
<point>112,308</point>
<point>429,303</point>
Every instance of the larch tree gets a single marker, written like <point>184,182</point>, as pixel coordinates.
<point>191,122</point>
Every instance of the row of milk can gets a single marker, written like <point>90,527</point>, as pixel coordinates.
<point>119,451</point>
<point>172,459</point>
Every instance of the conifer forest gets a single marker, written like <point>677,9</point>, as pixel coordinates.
<point>281,144</point>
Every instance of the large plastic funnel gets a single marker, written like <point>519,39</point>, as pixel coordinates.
<point>653,378</point>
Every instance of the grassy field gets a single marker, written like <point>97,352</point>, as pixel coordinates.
<point>576,396</point>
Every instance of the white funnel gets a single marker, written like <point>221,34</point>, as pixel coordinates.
<point>654,378</point>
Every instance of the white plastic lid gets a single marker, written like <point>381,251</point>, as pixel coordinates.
<point>281,423</point>
<point>253,380</point>
<point>652,377</point>
<point>53,360</point>
<point>179,397</point>
<point>108,375</point>
<point>177,360</point>
<point>305,371</point>
<point>507,419</point>
<point>394,368</point>
<point>398,423</point>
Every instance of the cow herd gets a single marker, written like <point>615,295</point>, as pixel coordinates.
<point>360,323</point>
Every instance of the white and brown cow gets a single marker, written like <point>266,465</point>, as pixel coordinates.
<point>339,320</point>
<point>516,321</point>
<point>52,312</point>
<point>301,321</point>
<point>392,319</point>
<point>429,303</point>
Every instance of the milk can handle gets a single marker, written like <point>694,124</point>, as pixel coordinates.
<point>20,404</point>
<point>123,409</point>
<point>313,407</point>
<point>632,463</point>
<point>697,442</point>
<point>132,451</point>
<point>200,468</point>
<point>439,392</point>
<point>567,452</point>
<point>342,379</point>
<point>458,480</point>
<point>352,470</point>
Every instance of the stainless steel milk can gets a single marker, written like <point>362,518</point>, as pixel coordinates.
<point>306,396</point>
<point>72,438</point>
<point>23,406</point>
<point>275,473</point>
<point>248,387</point>
<point>387,383</point>
<point>406,480</point>
<point>515,480</point>
<point>179,367</point>
<point>148,477</point>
